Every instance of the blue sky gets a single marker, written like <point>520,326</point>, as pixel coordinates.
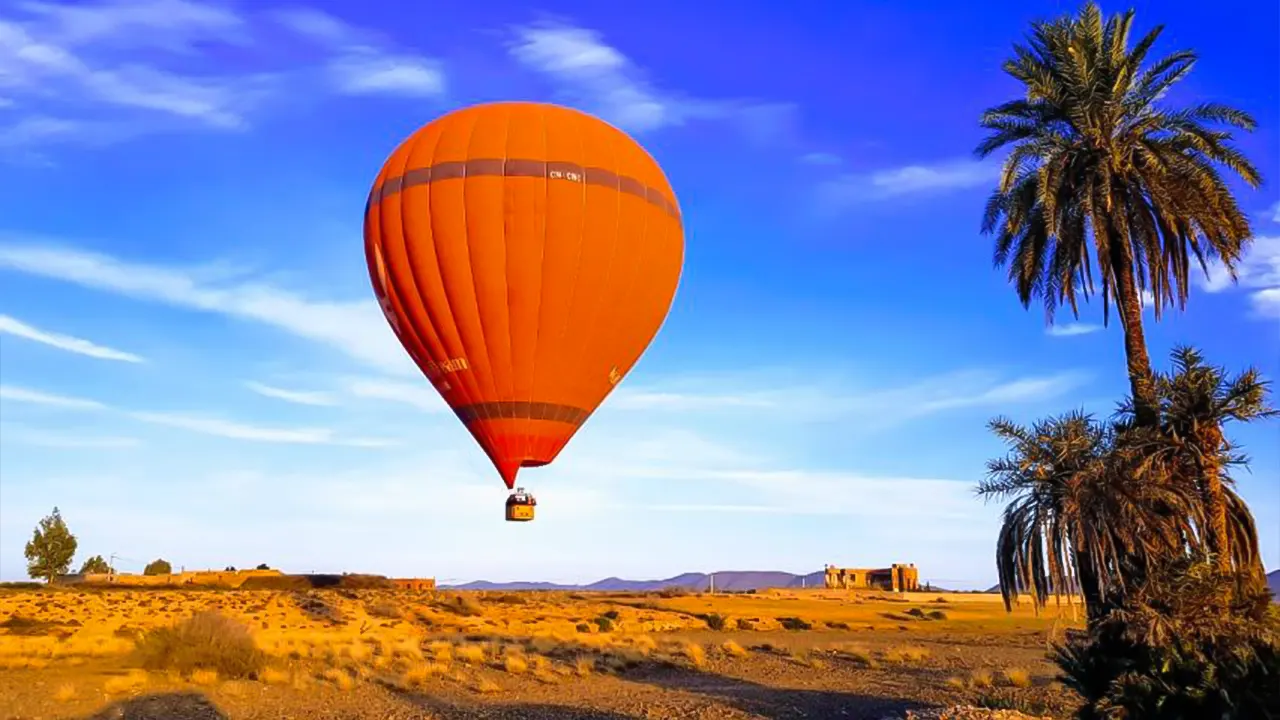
<point>194,367</point>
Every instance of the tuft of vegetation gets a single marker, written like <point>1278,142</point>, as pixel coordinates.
<point>51,548</point>
<point>204,641</point>
<point>603,623</point>
<point>1171,650</point>
<point>159,566</point>
<point>794,623</point>
<point>715,621</point>
<point>95,565</point>
<point>582,627</point>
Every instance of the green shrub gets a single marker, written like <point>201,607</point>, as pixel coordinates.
<point>1188,644</point>
<point>204,641</point>
<point>715,621</point>
<point>605,624</point>
<point>583,627</point>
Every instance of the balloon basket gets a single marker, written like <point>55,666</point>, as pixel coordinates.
<point>520,506</point>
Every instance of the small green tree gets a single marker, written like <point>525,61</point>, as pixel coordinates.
<point>262,566</point>
<point>95,565</point>
<point>159,566</point>
<point>51,549</point>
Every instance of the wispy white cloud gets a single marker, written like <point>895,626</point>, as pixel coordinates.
<point>821,158</point>
<point>99,72</point>
<point>256,433</point>
<point>362,62</point>
<point>943,392</point>
<point>36,397</point>
<point>355,327</point>
<point>38,438</point>
<point>202,424</point>
<point>420,395</point>
<point>60,56</point>
<point>601,79</point>
<point>298,397</point>
<point>852,188</point>
<point>71,344</point>
<point>1258,272</point>
<point>1072,329</point>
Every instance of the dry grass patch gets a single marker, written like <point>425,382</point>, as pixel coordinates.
<point>470,654</point>
<point>340,678</point>
<point>695,654</point>
<point>515,663</point>
<point>981,678</point>
<point>65,692</point>
<point>274,676</point>
<point>205,677</point>
<point>733,649</point>
<point>204,641</point>
<point>905,655</point>
<point>1017,677</point>
<point>584,665</point>
<point>129,682</point>
<point>485,686</point>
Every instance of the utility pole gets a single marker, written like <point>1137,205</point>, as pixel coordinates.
<point>713,583</point>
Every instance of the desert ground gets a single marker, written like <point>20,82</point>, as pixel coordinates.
<point>384,655</point>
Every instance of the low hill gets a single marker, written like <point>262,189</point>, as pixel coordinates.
<point>731,580</point>
<point>1273,582</point>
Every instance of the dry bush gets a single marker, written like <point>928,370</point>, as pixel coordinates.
<point>904,655</point>
<point>981,678</point>
<point>205,677</point>
<point>205,641</point>
<point>420,673</point>
<point>515,663</point>
<point>733,649</point>
<point>585,665</point>
<point>340,678</point>
<point>133,680</point>
<point>469,654</point>
<point>856,653</point>
<point>65,692</point>
<point>273,676</point>
<point>1017,677</point>
<point>485,686</point>
<point>695,654</point>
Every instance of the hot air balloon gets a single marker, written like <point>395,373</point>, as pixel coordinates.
<point>525,254</point>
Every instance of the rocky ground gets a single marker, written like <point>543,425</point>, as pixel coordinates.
<point>334,664</point>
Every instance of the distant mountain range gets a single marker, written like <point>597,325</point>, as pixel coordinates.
<point>739,580</point>
<point>1273,582</point>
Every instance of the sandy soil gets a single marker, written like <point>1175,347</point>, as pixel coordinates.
<point>383,655</point>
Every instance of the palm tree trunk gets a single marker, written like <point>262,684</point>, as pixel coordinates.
<point>1215,499</point>
<point>1090,590</point>
<point>1129,307</point>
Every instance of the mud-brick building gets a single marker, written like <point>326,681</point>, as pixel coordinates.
<point>895,578</point>
<point>414,583</point>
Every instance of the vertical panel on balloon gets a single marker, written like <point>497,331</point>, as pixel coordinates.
<point>524,215</point>
<point>411,251</point>
<point>449,231</point>
<point>594,272</point>
<point>486,242</point>
<point>403,295</point>
<point>562,254</point>
<point>618,324</point>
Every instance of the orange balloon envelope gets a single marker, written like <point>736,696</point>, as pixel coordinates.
<point>525,255</point>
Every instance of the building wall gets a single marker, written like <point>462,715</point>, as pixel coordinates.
<point>414,583</point>
<point>207,578</point>
<point>897,577</point>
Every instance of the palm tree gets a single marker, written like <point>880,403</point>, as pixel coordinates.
<point>1083,511</point>
<point>1099,173</point>
<point>1196,401</point>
